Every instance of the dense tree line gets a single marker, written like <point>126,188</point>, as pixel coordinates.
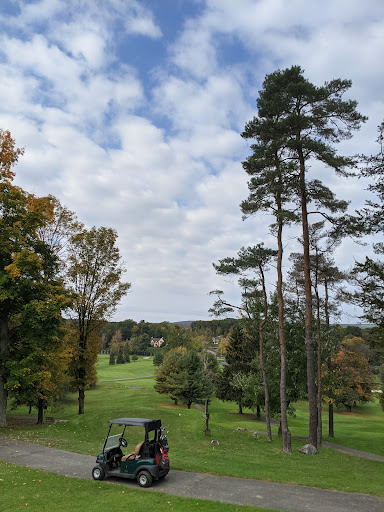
<point>139,334</point>
<point>50,266</point>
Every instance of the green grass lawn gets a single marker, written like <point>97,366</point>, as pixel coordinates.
<point>127,370</point>
<point>34,490</point>
<point>238,454</point>
<point>361,429</point>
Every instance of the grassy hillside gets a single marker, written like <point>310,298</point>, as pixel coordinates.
<point>238,454</point>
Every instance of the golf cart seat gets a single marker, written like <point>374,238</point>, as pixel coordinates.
<point>134,454</point>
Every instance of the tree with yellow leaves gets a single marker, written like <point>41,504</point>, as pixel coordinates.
<point>348,380</point>
<point>31,295</point>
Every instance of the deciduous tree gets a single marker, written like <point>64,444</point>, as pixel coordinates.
<point>27,265</point>
<point>350,380</point>
<point>94,272</point>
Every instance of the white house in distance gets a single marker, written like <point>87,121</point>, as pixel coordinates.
<point>156,342</point>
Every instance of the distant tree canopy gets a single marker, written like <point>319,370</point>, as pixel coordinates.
<point>214,327</point>
<point>139,334</point>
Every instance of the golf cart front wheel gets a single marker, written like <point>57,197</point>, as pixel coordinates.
<point>144,479</point>
<point>98,473</point>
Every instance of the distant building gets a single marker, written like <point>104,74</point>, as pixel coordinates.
<point>156,342</point>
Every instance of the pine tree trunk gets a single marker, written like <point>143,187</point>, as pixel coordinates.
<point>311,386</point>
<point>265,380</point>
<point>329,364</point>
<point>326,301</point>
<point>319,398</point>
<point>287,447</point>
<point>318,334</point>
<point>3,350</point>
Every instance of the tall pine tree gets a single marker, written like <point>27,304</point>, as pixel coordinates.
<point>303,122</point>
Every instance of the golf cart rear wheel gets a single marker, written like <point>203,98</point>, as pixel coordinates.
<point>98,473</point>
<point>144,479</point>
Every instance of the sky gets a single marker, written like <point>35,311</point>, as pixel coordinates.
<point>130,113</point>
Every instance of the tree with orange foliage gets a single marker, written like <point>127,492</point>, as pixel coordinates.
<point>349,381</point>
<point>29,290</point>
<point>9,156</point>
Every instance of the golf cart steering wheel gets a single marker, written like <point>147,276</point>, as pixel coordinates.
<point>123,442</point>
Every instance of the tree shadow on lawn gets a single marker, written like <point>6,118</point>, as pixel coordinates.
<point>352,414</point>
<point>172,406</point>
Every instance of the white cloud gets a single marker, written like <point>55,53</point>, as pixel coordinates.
<point>82,43</point>
<point>157,156</point>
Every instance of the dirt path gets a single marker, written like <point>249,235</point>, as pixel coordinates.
<point>282,497</point>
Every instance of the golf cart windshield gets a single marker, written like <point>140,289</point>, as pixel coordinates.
<point>112,441</point>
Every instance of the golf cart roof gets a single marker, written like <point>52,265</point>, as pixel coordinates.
<point>138,422</point>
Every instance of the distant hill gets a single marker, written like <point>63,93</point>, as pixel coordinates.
<point>362,326</point>
<point>185,323</point>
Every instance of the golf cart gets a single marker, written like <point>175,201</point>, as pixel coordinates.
<point>149,461</point>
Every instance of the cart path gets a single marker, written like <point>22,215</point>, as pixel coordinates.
<point>257,493</point>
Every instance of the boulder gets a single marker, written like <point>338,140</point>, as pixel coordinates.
<point>308,449</point>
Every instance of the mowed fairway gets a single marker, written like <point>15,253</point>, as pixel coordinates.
<point>238,454</point>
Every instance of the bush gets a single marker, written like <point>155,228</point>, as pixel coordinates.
<point>135,357</point>
<point>158,358</point>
